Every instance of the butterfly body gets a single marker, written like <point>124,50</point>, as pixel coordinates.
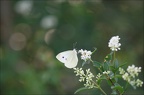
<point>69,58</point>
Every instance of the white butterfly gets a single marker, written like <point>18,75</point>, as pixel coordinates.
<point>69,58</point>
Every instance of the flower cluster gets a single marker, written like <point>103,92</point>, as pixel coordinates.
<point>106,72</point>
<point>85,55</point>
<point>114,43</point>
<point>130,75</point>
<point>133,71</point>
<point>85,77</point>
<point>79,71</point>
<point>121,71</point>
<point>98,76</point>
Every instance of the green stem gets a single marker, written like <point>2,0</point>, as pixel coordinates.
<point>98,68</point>
<point>99,88</point>
<point>102,90</point>
<point>114,54</point>
<point>108,78</point>
<point>94,50</point>
<point>91,60</point>
<point>97,84</point>
<point>126,86</point>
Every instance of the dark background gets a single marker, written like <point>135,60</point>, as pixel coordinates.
<point>34,32</point>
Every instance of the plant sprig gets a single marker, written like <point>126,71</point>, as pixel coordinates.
<point>109,70</point>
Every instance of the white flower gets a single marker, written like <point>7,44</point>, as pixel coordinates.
<point>106,72</point>
<point>126,77</point>
<point>133,71</point>
<point>87,71</point>
<point>130,76</point>
<point>98,76</point>
<point>121,70</point>
<point>139,83</point>
<point>114,43</point>
<point>86,85</point>
<point>79,71</point>
<point>89,75</point>
<point>89,84</point>
<point>82,79</point>
<point>85,55</point>
<point>85,77</point>
<point>132,82</point>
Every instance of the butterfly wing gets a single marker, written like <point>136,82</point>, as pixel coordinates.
<point>72,60</point>
<point>63,56</point>
<point>69,58</point>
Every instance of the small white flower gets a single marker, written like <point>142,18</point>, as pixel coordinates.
<point>82,79</point>
<point>87,71</point>
<point>79,71</point>
<point>132,82</point>
<point>133,71</point>
<point>139,83</point>
<point>89,84</point>
<point>90,75</point>
<point>130,76</point>
<point>87,78</point>
<point>121,70</point>
<point>126,77</point>
<point>106,72</point>
<point>86,84</point>
<point>98,76</point>
<point>114,43</point>
<point>85,55</point>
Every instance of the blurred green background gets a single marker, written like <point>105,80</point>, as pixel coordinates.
<point>33,32</point>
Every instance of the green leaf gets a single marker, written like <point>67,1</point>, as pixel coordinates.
<point>117,87</point>
<point>109,83</point>
<point>80,89</point>
<point>97,64</point>
<point>118,76</point>
<point>106,66</point>
<point>99,81</point>
<point>112,68</point>
<point>111,75</point>
<point>103,77</point>
<point>116,79</point>
<point>116,63</point>
<point>120,66</point>
<point>108,57</point>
